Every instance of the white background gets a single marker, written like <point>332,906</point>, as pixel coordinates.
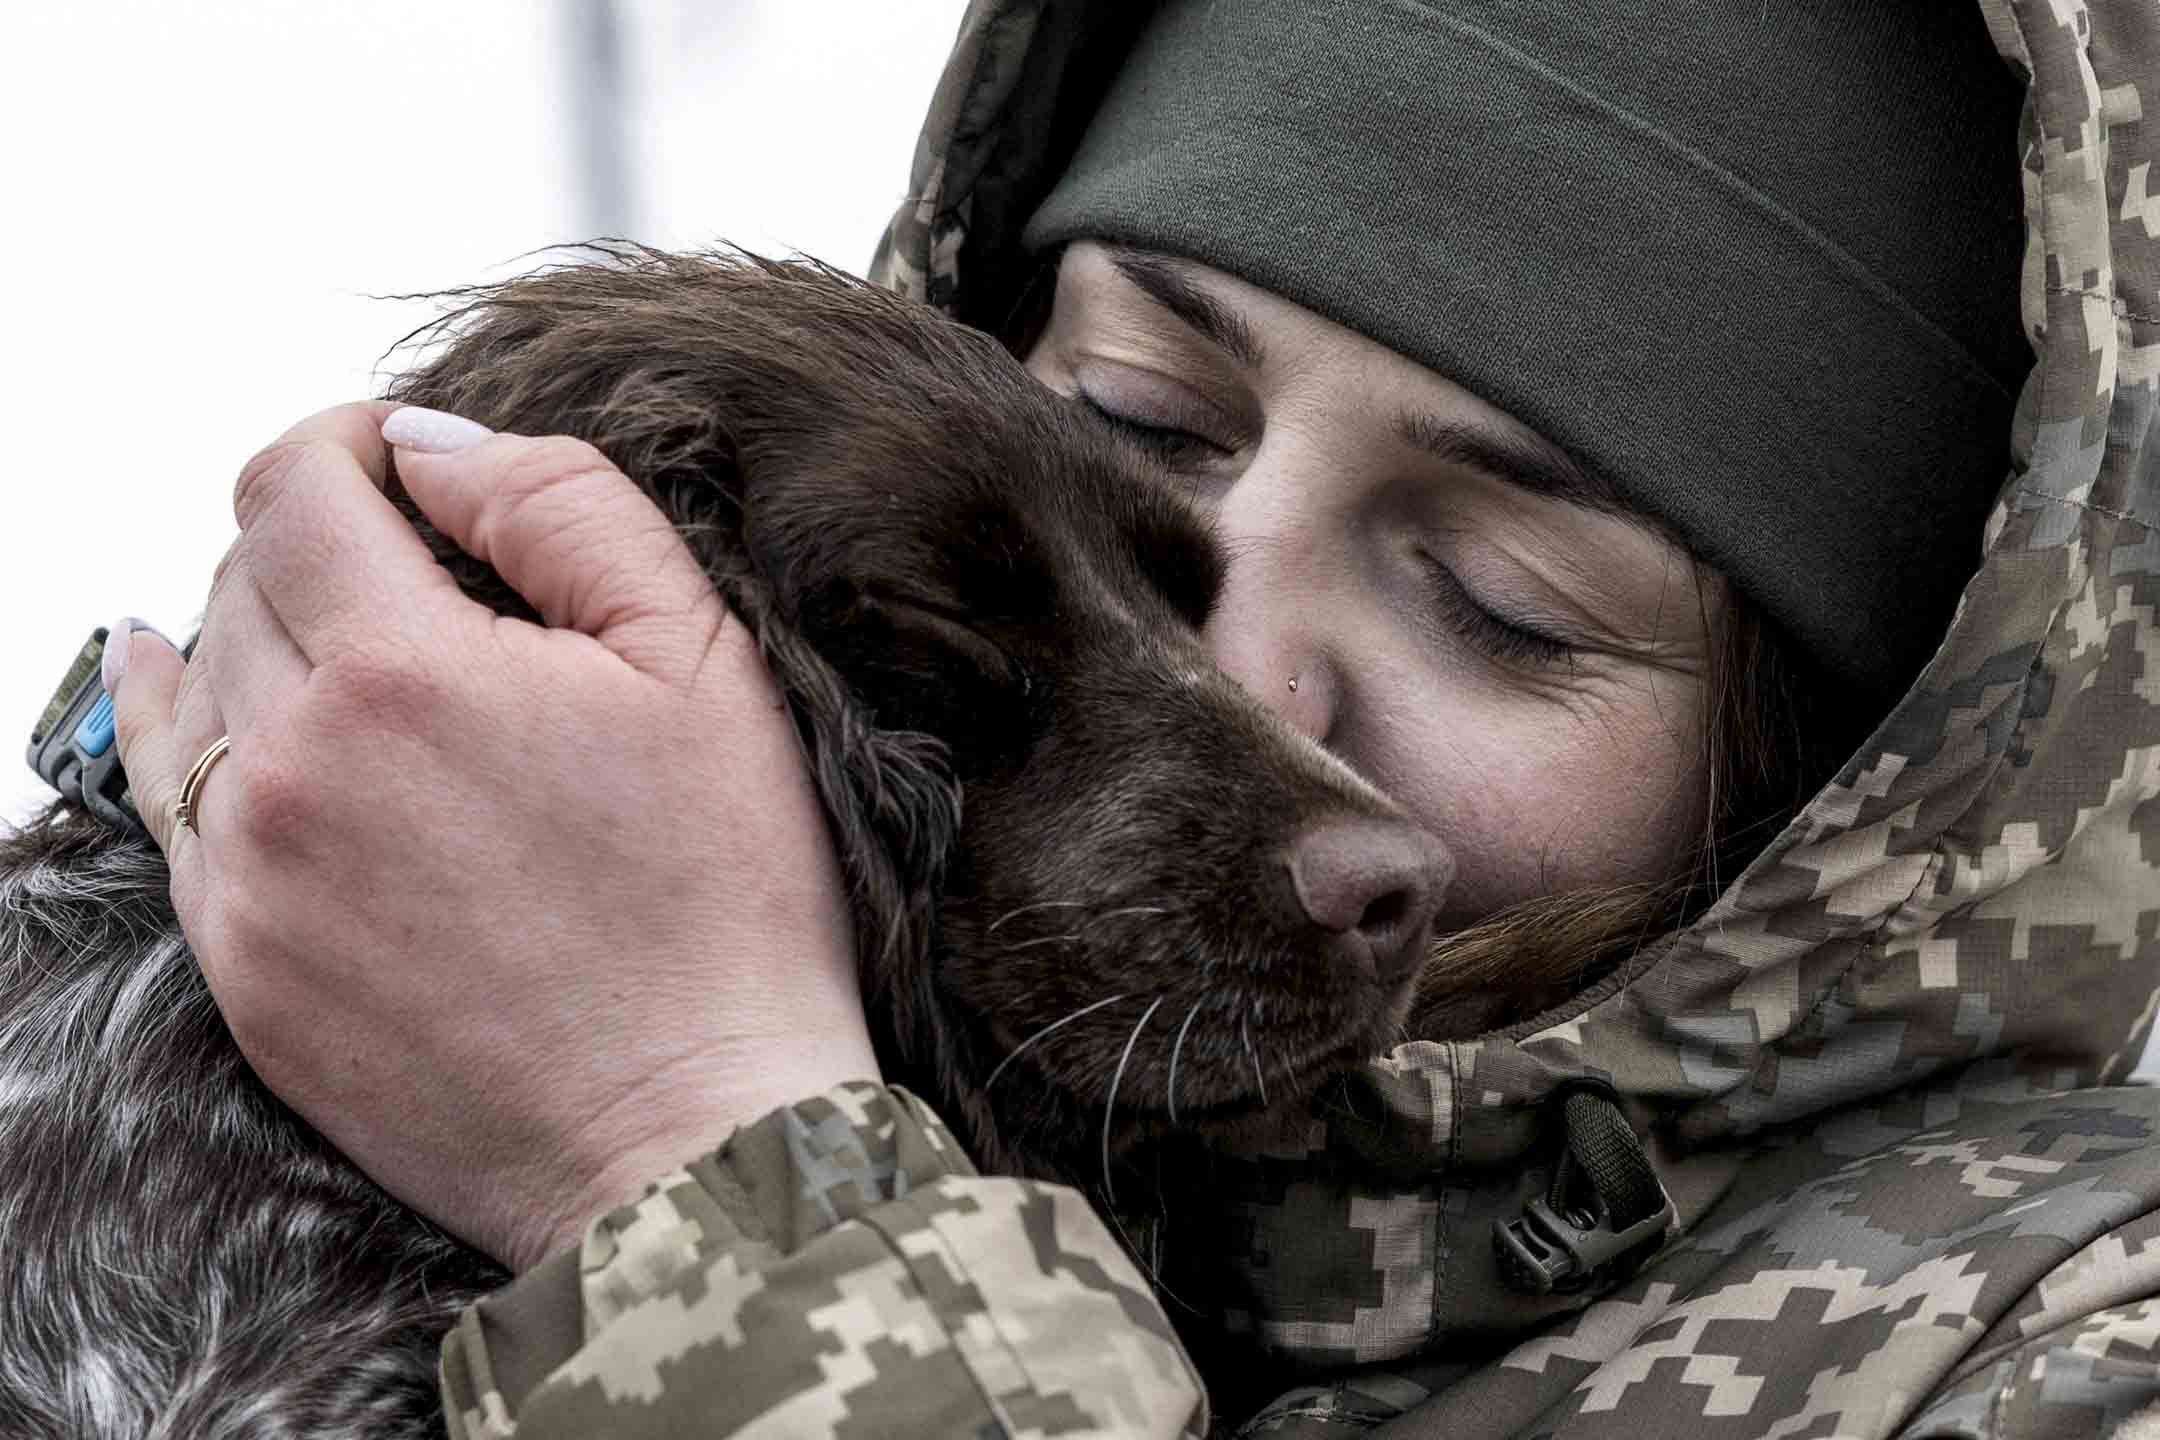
<point>202,197</point>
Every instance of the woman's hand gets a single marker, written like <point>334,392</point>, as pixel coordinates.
<point>517,917</point>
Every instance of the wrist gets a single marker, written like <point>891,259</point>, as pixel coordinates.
<point>674,1131</point>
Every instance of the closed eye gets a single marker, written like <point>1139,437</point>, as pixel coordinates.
<point>1504,639</point>
<point>1168,443</point>
<point>952,630</point>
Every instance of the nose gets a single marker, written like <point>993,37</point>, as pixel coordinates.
<point>1372,887</point>
<point>1273,651</point>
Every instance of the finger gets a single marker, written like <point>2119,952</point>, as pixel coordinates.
<point>196,720</point>
<point>142,674</point>
<point>568,531</point>
<point>355,428</point>
<point>333,559</point>
<point>248,659</point>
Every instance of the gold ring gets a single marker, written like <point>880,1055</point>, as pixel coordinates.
<point>191,787</point>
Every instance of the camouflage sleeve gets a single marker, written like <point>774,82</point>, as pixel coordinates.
<point>2078,1354</point>
<point>836,1268</point>
<point>2097,1375</point>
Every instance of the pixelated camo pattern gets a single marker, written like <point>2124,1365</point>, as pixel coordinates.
<point>1866,1074</point>
<point>837,1269</point>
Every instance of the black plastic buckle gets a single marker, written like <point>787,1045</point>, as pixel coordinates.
<point>1558,1252</point>
<point>73,749</point>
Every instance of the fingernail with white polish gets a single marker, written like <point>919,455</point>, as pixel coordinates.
<point>432,432</point>
<point>114,663</point>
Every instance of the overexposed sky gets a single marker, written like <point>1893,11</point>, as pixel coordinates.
<point>203,198</point>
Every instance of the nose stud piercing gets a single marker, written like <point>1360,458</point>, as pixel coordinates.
<point>1293,684</point>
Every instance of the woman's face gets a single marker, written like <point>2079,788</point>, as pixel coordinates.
<point>1416,580</point>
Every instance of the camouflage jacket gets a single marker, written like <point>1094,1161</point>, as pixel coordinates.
<point>1879,1079</point>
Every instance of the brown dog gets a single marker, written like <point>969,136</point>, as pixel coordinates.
<point>1101,891</point>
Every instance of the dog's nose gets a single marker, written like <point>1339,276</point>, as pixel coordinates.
<point>1374,886</point>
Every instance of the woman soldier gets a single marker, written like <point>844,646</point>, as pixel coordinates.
<point>1604,411</point>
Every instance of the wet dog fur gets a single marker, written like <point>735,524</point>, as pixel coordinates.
<point>1062,829</point>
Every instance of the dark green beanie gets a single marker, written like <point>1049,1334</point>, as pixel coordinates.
<point>1755,263</point>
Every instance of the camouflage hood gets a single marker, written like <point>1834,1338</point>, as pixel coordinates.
<point>1977,893</point>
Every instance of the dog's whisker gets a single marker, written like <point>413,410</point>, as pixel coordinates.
<point>1130,910</point>
<point>1190,1016</point>
<point>1245,1029</point>
<point>1110,1104</point>
<point>1154,1267</point>
<point>1039,1034</point>
<point>1044,940</point>
<point>1019,910</point>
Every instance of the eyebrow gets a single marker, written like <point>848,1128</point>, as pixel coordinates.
<point>1164,282</point>
<point>1519,457</point>
<point>1525,460</point>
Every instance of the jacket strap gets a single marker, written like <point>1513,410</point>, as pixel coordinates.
<point>1604,1211</point>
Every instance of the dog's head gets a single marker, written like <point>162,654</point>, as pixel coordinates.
<point>1161,902</point>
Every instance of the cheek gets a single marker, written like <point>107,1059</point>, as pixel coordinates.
<point>1543,794</point>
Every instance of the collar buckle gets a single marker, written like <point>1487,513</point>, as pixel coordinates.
<point>1604,1210</point>
<point>1559,1252</point>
